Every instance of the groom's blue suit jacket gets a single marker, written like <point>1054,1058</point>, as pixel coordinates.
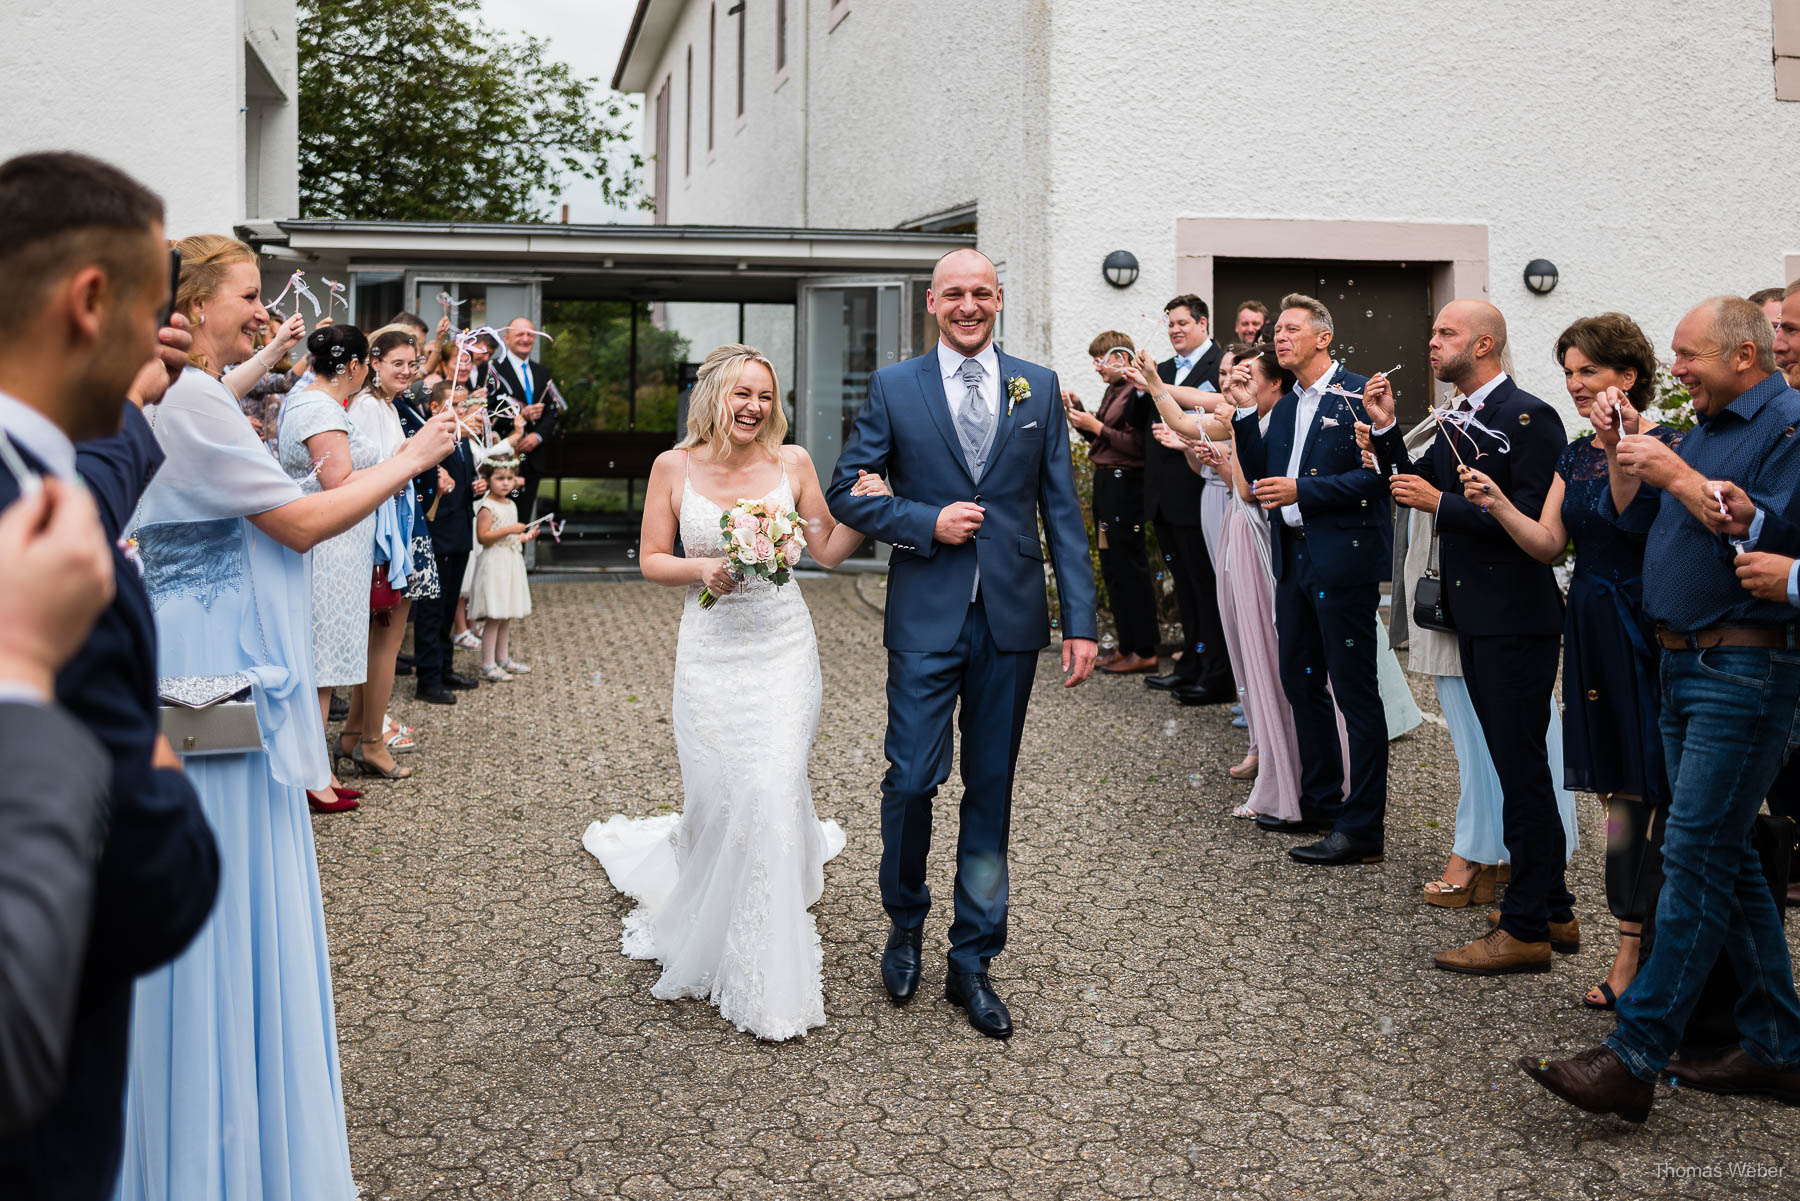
<point>904,432</point>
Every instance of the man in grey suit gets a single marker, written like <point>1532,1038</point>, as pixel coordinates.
<point>55,579</point>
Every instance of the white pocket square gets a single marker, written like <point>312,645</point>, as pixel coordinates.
<point>1029,425</point>
<point>1328,423</point>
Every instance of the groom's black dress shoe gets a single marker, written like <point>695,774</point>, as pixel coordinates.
<point>900,964</point>
<point>1335,849</point>
<point>1304,825</point>
<point>987,1012</point>
<point>1194,694</point>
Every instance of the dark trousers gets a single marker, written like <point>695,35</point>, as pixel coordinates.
<point>434,622</point>
<point>1204,662</point>
<point>1510,679</point>
<point>1326,633</point>
<point>922,690</point>
<point>1119,528</point>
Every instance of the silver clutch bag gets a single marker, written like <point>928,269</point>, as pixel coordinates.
<point>209,715</point>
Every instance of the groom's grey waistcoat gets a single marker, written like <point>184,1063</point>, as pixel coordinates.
<point>907,432</point>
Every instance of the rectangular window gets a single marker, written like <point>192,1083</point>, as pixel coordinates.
<point>780,36</point>
<point>712,60</point>
<point>743,19</point>
<point>687,124</point>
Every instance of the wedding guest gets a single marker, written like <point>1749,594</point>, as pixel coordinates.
<point>449,501</point>
<point>234,1074</point>
<point>500,592</point>
<point>1329,519</point>
<point>84,272</point>
<point>481,362</point>
<point>56,578</point>
<point>1611,732</point>
<point>527,385</point>
<point>1787,336</point>
<point>265,378</point>
<point>1116,453</point>
<point>1724,740</point>
<point>1769,301</point>
<point>394,358</point>
<point>1505,606</point>
<point>1252,316</point>
<point>319,448</point>
<point>1172,495</point>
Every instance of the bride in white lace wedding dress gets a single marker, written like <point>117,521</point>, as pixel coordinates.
<point>724,887</point>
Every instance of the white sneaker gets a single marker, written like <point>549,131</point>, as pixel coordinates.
<point>495,675</point>
<point>467,641</point>
<point>518,669</point>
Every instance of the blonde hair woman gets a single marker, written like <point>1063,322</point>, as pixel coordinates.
<point>727,917</point>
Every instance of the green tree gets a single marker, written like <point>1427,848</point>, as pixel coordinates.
<point>415,110</point>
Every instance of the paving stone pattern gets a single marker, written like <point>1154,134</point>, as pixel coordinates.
<point>1197,1016</point>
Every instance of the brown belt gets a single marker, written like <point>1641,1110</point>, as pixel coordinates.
<point>1765,637</point>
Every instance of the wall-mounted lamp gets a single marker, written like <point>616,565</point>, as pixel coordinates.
<point>1541,276</point>
<point>1120,268</point>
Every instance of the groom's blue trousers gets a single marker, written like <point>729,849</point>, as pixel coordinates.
<point>922,689</point>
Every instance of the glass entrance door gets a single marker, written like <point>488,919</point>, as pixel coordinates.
<point>850,328</point>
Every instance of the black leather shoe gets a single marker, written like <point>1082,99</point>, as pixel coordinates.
<point>1193,694</point>
<point>987,1012</point>
<point>435,694</point>
<point>1164,683</point>
<point>1595,1080</point>
<point>900,964</point>
<point>1304,825</point>
<point>1737,1071</point>
<point>460,682</point>
<point>1335,849</point>
<point>402,669</point>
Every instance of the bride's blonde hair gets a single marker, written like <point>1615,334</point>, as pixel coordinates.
<point>709,407</point>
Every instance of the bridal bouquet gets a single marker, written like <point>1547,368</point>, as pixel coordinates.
<point>759,541</point>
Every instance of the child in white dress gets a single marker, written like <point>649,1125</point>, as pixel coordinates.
<point>500,591</point>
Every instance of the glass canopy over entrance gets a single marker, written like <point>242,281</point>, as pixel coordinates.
<point>633,309</point>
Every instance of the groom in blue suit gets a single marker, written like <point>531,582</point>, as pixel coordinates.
<point>975,447</point>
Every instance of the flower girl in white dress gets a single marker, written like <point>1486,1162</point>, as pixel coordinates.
<point>724,887</point>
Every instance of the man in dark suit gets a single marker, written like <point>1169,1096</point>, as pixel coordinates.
<point>975,443</point>
<point>448,494</point>
<point>55,579</point>
<point>83,274</point>
<point>1505,605</point>
<point>1202,676</point>
<point>1330,524</point>
<point>516,382</point>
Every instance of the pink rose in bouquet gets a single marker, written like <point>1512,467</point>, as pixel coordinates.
<point>758,542</point>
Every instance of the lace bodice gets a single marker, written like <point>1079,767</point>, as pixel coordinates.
<point>1601,549</point>
<point>702,538</point>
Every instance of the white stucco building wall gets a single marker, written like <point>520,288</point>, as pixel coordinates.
<point>1638,145</point>
<point>195,98</point>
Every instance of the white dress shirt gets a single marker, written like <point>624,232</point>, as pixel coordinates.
<point>40,436</point>
<point>522,372</point>
<point>950,367</point>
<point>1303,423</point>
<point>1193,362</point>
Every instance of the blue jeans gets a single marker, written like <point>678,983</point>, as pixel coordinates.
<point>1727,717</point>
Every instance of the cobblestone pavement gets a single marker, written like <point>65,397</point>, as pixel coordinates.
<point>1197,1016</point>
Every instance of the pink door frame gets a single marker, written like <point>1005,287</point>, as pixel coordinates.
<point>1458,254</point>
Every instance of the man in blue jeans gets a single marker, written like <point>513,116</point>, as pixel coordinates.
<point>1730,691</point>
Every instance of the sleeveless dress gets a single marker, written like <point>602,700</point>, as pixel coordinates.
<point>724,887</point>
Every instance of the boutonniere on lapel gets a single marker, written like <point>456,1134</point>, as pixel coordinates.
<point>1016,390</point>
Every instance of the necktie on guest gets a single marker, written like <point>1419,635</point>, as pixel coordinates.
<point>972,418</point>
<point>525,378</point>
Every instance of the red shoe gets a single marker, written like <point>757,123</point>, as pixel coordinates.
<point>346,794</point>
<point>341,805</point>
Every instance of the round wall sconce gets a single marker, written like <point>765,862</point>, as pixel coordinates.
<point>1541,276</point>
<point>1121,268</point>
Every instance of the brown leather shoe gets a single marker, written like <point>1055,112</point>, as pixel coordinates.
<point>1495,953</point>
<point>1737,1071</point>
<point>1127,665</point>
<point>1565,937</point>
<point>1596,1080</point>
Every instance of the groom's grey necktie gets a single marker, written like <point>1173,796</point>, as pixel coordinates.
<point>972,420</point>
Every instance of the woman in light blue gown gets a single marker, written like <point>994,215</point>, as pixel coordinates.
<point>234,1093</point>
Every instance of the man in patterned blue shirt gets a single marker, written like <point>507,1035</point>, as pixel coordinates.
<point>1731,688</point>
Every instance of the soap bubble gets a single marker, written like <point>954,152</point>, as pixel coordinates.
<point>1107,642</point>
<point>631,552</point>
<point>1369,313</point>
<point>1171,728</point>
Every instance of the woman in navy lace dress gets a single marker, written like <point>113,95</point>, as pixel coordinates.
<point>1611,743</point>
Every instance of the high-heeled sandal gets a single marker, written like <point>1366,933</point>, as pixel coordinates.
<point>1246,770</point>
<point>369,769</point>
<point>338,753</point>
<point>1446,895</point>
<point>1605,987</point>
